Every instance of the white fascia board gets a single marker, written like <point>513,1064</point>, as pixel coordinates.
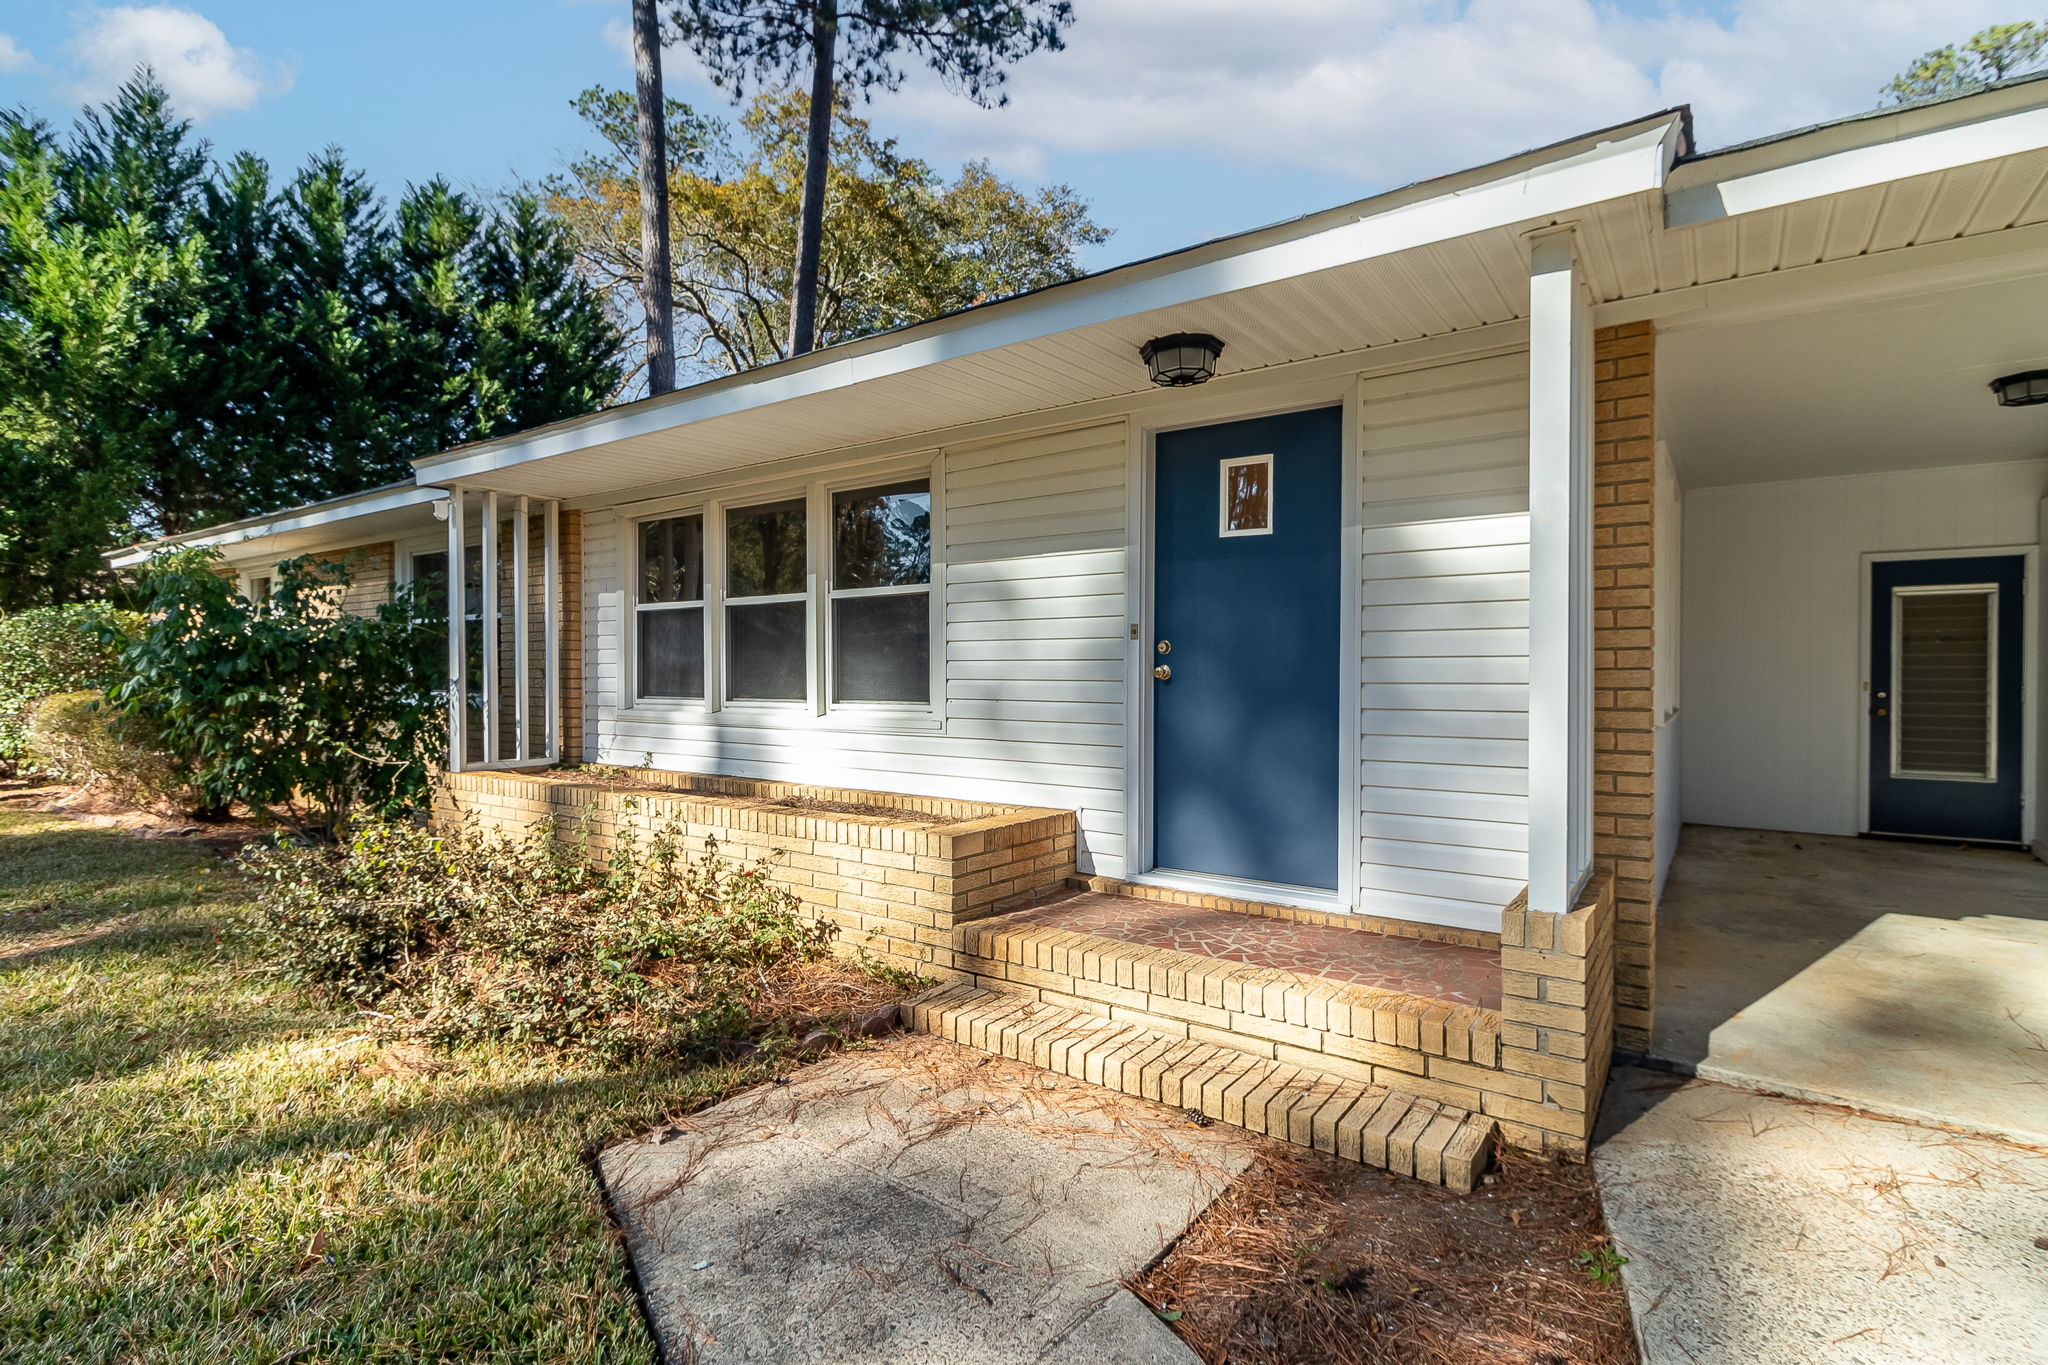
<point>1633,163</point>
<point>311,516</point>
<point>1815,177</point>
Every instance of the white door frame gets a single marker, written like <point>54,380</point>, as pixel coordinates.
<point>1140,542</point>
<point>2028,672</point>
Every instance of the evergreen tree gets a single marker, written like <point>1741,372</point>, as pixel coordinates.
<point>184,342</point>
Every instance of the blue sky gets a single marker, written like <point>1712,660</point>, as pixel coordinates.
<point>1179,121</point>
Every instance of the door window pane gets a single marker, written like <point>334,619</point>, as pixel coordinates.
<point>766,651</point>
<point>882,647</point>
<point>1247,497</point>
<point>882,537</point>
<point>764,549</point>
<point>1943,700</point>
<point>672,560</point>
<point>672,653</point>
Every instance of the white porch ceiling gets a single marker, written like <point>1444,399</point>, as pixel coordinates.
<point>1900,384</point>
<point>1432,261</point>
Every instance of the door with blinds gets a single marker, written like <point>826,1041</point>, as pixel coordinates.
<point>1947,651</point>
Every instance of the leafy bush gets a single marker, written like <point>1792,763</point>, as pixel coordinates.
<point>289,705</point>
<point>468,936</point>
<point>55,649</point>
<point>78,737</point>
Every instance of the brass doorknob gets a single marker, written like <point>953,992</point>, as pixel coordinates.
<point>1163,672</point>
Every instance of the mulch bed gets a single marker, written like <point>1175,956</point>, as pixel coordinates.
<point>1307,1259</point>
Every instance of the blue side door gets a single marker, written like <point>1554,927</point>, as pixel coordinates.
<point>1246,594</point>
<point>1947,653</point>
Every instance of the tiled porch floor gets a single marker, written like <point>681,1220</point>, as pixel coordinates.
<point>1440,971</point>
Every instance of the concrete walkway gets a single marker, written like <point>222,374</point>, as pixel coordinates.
<point>915,1203</point>
<point>1766,1229</point>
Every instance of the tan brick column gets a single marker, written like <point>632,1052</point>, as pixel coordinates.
<point>1556,1020</point>
<point>1624,732</point>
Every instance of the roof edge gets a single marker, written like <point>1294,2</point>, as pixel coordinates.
<point>328,511</point>
<point>1016,305</point>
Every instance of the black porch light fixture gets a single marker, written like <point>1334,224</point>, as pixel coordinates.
<point>1181,359</point>
<point>2021,390</point>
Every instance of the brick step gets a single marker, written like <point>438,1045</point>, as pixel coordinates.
<point>1357,1121</point>
<point>1428,1048</point>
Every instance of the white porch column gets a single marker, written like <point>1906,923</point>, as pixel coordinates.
<point>489,631</point>
<point>458,683</point>
<point>551,627</point>
<point>522,623</point>
<point>1560,574</point>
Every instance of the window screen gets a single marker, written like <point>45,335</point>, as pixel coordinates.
<point>669,615</point>
<point>1943,684</point>
<point>767,610</point>
<point>881,594</point>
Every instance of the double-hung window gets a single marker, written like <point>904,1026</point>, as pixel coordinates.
<point>670,609</point>
<point>881,594</point>
<point>774,619</point>
<point>767,602</point>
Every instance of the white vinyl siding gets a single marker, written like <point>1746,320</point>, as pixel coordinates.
<point>1031,535</point>
<point>1444,669</point>
<point>1774,620</point>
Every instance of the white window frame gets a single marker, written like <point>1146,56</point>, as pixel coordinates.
<point>1990,593</point>
<point>817,710</point>
<point>722,637</point>
<point>1223,468</point>
<point>828,651</point>
<point>631,653</point>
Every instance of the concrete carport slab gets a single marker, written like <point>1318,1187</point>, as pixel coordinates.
<point>1909,980</point>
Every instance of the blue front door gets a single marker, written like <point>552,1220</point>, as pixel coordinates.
<point>1246,593</point>
<point>1947,651</point>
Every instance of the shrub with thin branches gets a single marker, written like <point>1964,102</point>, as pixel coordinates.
<point>469,935</point>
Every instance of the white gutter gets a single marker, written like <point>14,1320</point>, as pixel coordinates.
<point>1635,160</point>
<point>309,517</point>
<point>1801,176</point>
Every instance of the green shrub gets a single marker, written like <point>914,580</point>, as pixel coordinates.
<point>55,649</point>
<point>78,737</point>
<point>468,936</point>
<point>287,706</point>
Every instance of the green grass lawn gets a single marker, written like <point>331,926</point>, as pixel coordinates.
<point>197,1164</point>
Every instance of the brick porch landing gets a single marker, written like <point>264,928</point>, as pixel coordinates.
<point>1450,972</point>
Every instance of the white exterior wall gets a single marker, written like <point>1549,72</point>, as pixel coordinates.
<point>1444,716</point>
<point>1032,544</point>
<point>1032,537</point>
<point>1773,597</point>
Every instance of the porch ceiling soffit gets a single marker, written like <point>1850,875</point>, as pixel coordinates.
<point>1439,259</point>
<point>1954,186</point>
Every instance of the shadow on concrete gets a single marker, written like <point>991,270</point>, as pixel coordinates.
<point>1902,979</point>
<point>1746,910</point>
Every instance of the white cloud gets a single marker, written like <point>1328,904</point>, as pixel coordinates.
<point>618,36</point>
<point>1386,91</point>
<point>13,59</point>
<point>204,74</point>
